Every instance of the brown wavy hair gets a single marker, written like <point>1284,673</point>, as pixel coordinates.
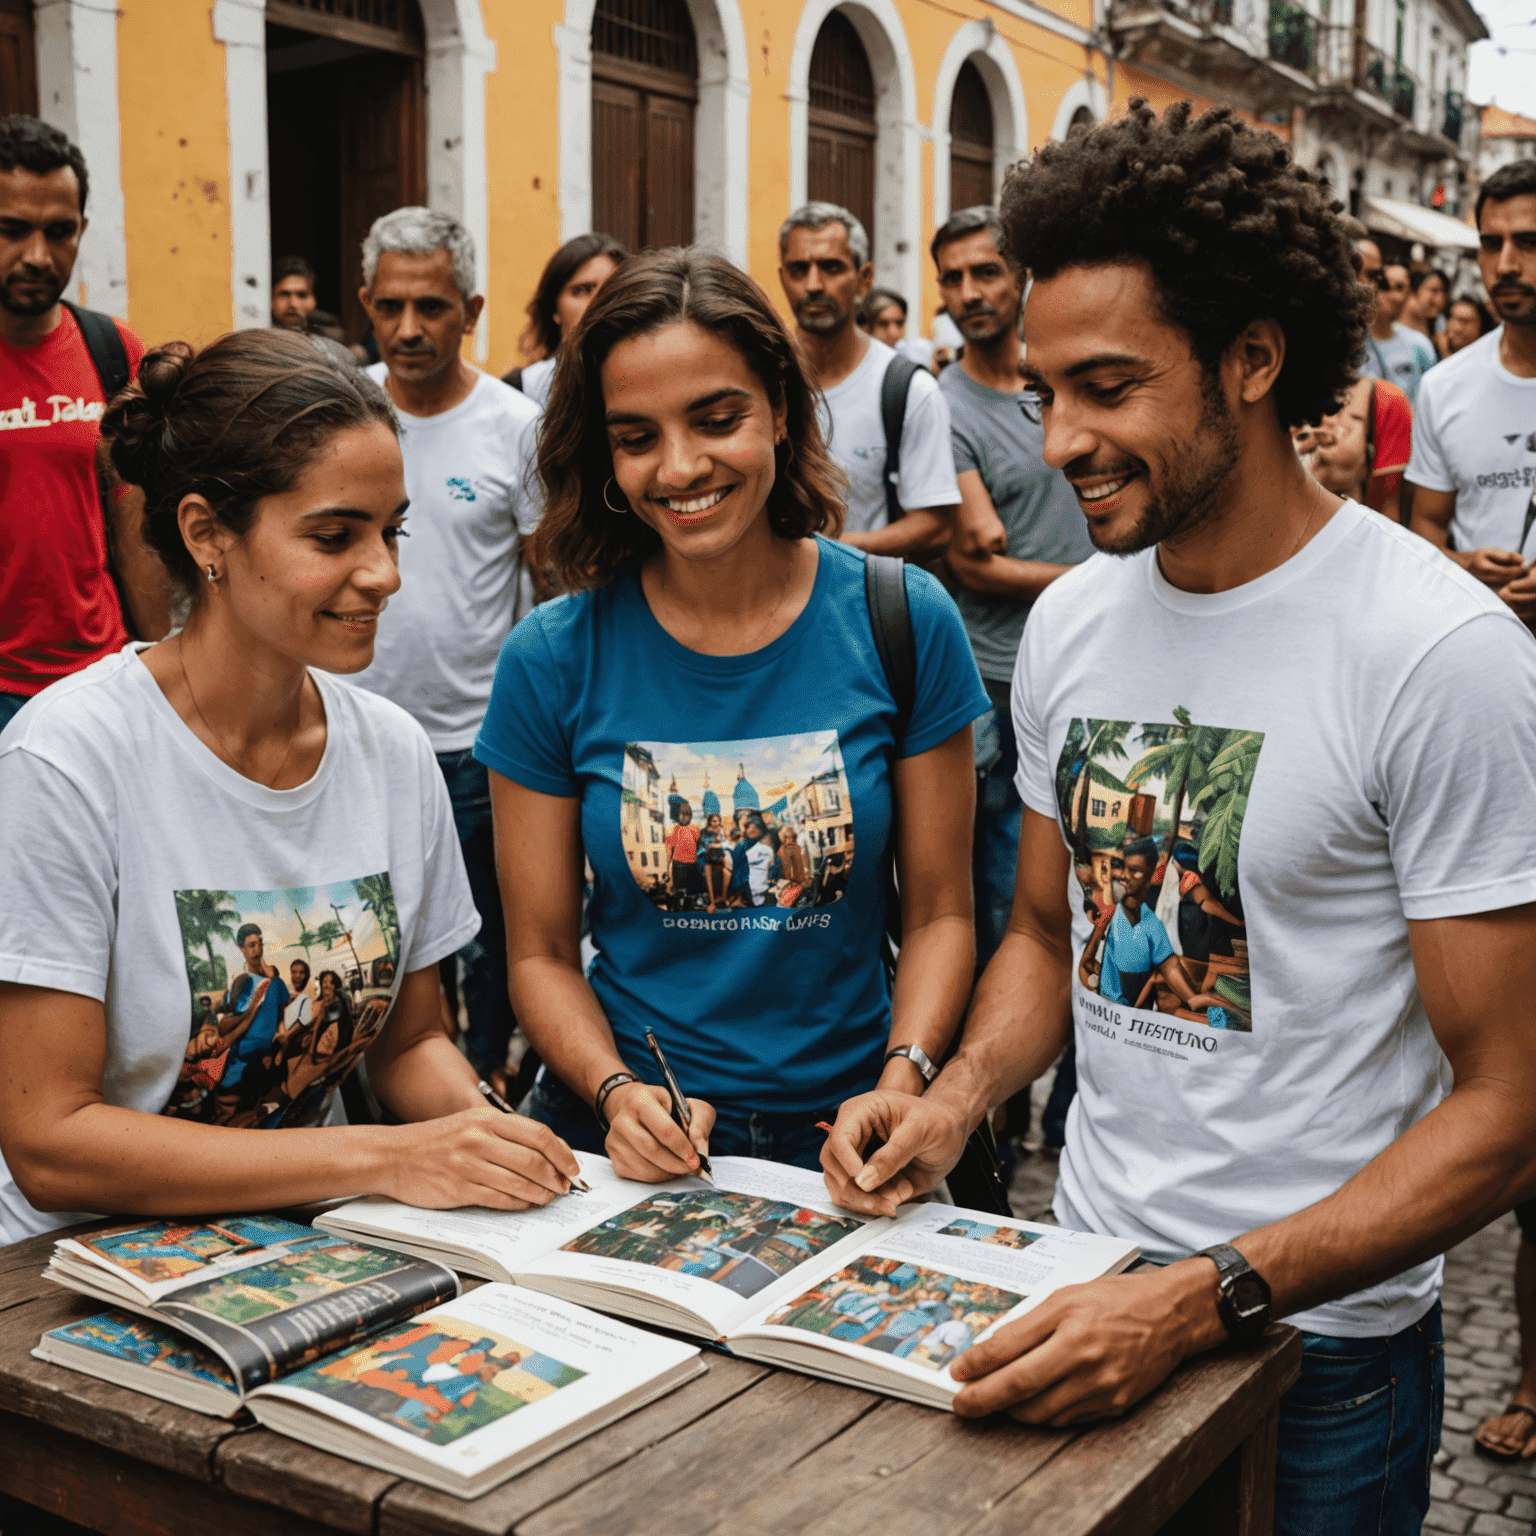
<point>580,541</point>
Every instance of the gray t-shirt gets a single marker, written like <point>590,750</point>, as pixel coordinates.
<point>1403,359</point>
<point>992,435</point>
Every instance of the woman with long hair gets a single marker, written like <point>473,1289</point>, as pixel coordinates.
<point>1428,294</point>
<point>172,814</point>
<point>570,280</point>
<point>711,633</point>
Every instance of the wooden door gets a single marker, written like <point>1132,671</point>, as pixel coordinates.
<point>18,59</point>
<point>383,160</point>
<point>840,142</point>
<point>971,141</point>
<point>668,171</point>
<point>618,160</point>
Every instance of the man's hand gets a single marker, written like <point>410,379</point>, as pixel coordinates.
<point>1092,1351</point>
<point>1493,567</point>
<point>1520,594</point>
<point>644,1141</point>
<point>923,1141</point>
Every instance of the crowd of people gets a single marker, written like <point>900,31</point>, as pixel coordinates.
<point>1194,753</point>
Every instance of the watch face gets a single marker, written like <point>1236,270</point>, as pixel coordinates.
<point>1250,1295</point>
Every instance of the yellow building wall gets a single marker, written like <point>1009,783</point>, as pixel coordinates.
<point>175,168</point>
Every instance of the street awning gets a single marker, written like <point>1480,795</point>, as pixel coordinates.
<point>1408,221</point>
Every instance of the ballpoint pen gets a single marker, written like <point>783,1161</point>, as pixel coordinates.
<point>680,1111</point>
<point>495,1100</point>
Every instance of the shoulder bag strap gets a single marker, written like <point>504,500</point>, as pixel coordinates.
<point>893,415</point>
<point>885,590</point>
<point>104,342</point>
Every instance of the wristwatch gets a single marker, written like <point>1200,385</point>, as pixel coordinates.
<point>919,1059</point>
<point>1244,1300</point>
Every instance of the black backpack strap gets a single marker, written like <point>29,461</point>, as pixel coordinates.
<point>104,342</point>
<point>514,377</point>
<point>893,415</point>
<point>885,590</point>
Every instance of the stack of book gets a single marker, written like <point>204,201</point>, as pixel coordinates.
<point>354,1335</point>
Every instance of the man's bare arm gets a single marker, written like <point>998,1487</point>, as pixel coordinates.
<point>1431,519</point>
<point>915,535</point>
<point>981,565</point>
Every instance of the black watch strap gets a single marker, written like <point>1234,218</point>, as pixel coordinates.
<point>1243,1298</point>
<point>600,1098</point>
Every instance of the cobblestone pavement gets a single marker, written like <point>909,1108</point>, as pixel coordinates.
<point>1468,1494</point>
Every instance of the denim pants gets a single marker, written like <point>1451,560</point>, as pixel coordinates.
<point>484,958</point>
<point>1359,1431</point>
<point>999,812</point>
<point>790,1138</point>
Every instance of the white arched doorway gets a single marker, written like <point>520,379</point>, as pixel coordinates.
<point>896,237</point>
<point>978,43</point>
<point>1086,95</point>
<point>720,124</point>
<point>458,57</point>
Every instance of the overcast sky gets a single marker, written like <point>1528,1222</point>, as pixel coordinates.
<point>1507,78</point>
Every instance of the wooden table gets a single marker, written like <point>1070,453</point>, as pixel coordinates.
<point>742,1448</point>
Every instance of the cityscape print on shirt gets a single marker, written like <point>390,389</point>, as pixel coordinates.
<point>1153,815</point>
<point>717,826</point>
<point>288,989</point>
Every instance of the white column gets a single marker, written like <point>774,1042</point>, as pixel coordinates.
<point>77,93</point>
<point>241,26</point>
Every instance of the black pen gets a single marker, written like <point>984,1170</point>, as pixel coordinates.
<point>680,1111</point>
<point>495,1100</point>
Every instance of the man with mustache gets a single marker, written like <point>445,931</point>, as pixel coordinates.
<point>1296,679</point>
<point>825,269</point>
<point>469,444</point>
<point>1474,451</point>
<point>60,609</point>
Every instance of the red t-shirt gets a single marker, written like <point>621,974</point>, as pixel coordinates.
<point>684,843</point>
<point>58,608</point>
<point>1394,439</point>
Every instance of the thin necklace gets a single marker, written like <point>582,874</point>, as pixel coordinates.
<point>1317,501</point>
<point>232,758</point>
<point>767,623</point>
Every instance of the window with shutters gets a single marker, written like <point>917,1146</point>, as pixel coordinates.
<point>840,142</point>
<point>971,140</point>
<point>18,59</point>
<point>645,84</point>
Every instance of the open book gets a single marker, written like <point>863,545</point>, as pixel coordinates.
<point>461,1397</point>
<point>766,1264</point>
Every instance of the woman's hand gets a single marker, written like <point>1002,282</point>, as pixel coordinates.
<point>477,1157</point>
<point>645,1142</point>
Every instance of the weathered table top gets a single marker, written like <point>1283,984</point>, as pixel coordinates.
<point>742,1448</point>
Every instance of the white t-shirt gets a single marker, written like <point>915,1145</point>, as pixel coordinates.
<point>1474,433</point>
<point>470,475</point>
<point>136,861</point>
<point>856,438</point>
<point>1326,712</point>
<point>537,377</point>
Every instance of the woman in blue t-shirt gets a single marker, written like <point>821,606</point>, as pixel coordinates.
<point>715,654</point>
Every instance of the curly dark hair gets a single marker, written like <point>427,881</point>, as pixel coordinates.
<point>580,539</point>
<point>1232,229</point>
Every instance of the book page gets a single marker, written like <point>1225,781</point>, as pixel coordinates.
<point>157,1258</point>
<point>314,1297</point>
<point>720,1253</point>
<point>139,1341</point>
<point>509,1239</point>
<point>471,1383</point>
<point>935,1281</point>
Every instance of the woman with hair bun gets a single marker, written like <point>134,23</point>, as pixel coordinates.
<point>182,820</point>
<point>715,666</point>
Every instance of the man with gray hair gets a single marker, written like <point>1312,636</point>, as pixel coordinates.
<point>469,446</point>
<point>825,269</point>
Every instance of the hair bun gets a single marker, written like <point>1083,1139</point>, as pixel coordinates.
<point>134,423</point>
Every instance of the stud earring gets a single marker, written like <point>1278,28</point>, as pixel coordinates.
<point>609,504</point>
<point>213,576</point>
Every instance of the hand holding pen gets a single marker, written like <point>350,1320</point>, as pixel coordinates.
<point>680,1111</point>
<point>656,1133</point>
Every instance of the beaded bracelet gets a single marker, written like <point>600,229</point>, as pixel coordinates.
<point>604,1089</point>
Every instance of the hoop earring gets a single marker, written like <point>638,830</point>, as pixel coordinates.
<point>620,510</point>
<point>212,576</point>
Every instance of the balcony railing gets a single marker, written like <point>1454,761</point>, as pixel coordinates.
<point>1292,36</point>
<point>1451,127</point>
<point>1389,80</point>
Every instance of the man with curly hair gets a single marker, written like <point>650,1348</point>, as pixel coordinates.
<point>1273,685</point>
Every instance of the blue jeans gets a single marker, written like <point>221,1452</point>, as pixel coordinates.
<point>790,1139</point>
<point>9,704</point>
<point>1359,1431</point>
<point>484,958</point>
<point>999,811</point>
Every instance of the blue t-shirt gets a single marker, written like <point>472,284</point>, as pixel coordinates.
<point>1131,949</point>
<point>758,1006</point>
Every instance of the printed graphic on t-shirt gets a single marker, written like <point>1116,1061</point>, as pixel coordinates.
<point>1153,814</point>
<point>713,827</point>
<point>288,989</point>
